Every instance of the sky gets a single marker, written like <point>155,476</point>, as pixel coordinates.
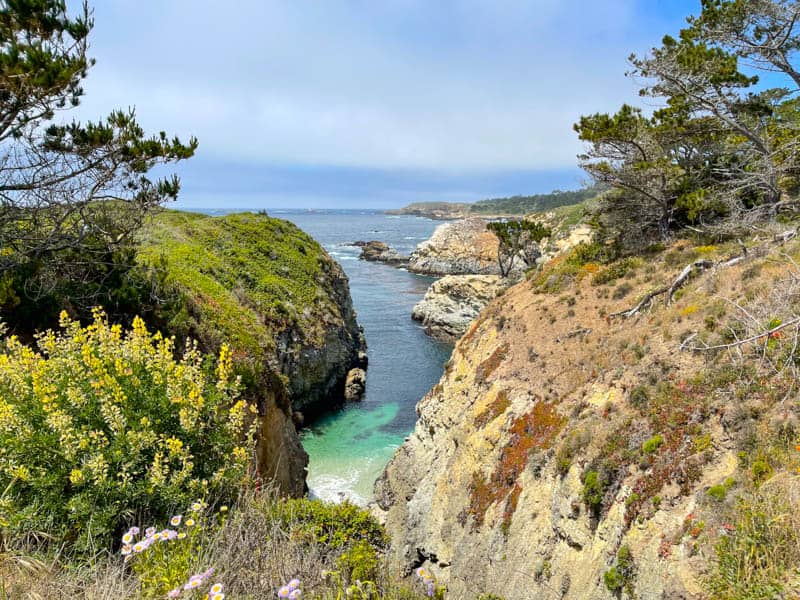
<point>370,103</point>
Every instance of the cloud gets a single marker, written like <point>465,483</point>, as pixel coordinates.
<point>412,84</point>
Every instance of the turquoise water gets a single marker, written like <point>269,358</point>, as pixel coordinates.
<point>349,448</point>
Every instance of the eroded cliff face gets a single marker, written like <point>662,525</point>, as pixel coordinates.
<point>567,454</point>
<point>316,360</point>
<point>452,303</point>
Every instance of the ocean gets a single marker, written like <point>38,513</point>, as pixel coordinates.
<point>349,448</point>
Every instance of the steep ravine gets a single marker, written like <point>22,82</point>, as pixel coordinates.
<point>564,453</point>
<point>280,302</point>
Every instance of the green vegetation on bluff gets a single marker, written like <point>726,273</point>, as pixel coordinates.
<point>522,205</point>
<point>515,205</point>
<point>245,279</point>
<point>241,261</point>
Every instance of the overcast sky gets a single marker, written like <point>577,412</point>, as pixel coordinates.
<point>370,103</point>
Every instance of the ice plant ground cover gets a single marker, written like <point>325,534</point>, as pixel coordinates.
<point>99,423</point>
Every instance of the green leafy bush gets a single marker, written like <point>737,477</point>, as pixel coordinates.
<point>620,576</point>
<point>613,579</point>
<point>653,444</point>
<point>102,425</point>
<point>333,525</point>
<point>616,271</point>
<point>593,490</point>
<point>360,562</point>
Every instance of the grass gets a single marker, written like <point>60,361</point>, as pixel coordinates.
<point>264,543</point>
<point>243,278</point>
<point>758,557</point>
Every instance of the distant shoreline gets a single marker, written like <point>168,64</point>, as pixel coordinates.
<point>495,208</point>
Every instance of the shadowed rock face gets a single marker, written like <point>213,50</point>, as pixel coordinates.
<point>453,302</point>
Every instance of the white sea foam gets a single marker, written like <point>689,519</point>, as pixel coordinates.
<point>342,255</point>
<point>333,488</point>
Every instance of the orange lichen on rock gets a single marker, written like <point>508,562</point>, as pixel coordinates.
<point>535,430</point>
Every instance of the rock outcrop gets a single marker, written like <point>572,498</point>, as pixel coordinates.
<point>282,305</point>
<point>568,455</point>
<point>355,384</point>
<point>376,251</point>
<point>463,247</point>
<point>452,303</point>
<point>438,211</point>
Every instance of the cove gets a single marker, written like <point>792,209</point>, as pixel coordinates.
<point>349,448</point>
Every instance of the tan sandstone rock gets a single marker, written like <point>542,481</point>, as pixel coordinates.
<point>453,302</point>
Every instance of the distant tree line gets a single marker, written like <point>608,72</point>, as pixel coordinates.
<point>721,152</point>
<point>520,205</point>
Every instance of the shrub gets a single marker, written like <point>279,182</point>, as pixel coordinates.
<point>760,551</point>
<point>593,491</point>
<point>762,470</point>
<point>702,442</point>
<point>718,492</point>
<point>102,425</point>
<point>616,271</point>
<point>613,580</point>
<point>653,444</point>
<point>334,525</point>
<point>360,562</point>
<point>621,291</point>
<point>639,397</point>
<point>620,576</point>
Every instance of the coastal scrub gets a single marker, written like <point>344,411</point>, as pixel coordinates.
<point>102,423</point>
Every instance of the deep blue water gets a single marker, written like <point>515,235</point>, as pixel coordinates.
<point>349,448</point>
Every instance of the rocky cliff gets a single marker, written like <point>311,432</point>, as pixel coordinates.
<point>571,452</point>
<point>458,248</point>
<point>452,303</point>
<point>280,302</point>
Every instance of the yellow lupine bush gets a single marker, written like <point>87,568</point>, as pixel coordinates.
<point>100,426</point>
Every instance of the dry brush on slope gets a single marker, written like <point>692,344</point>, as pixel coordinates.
<point>662,452</point>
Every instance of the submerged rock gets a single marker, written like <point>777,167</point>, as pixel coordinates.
<point>453,302</point>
